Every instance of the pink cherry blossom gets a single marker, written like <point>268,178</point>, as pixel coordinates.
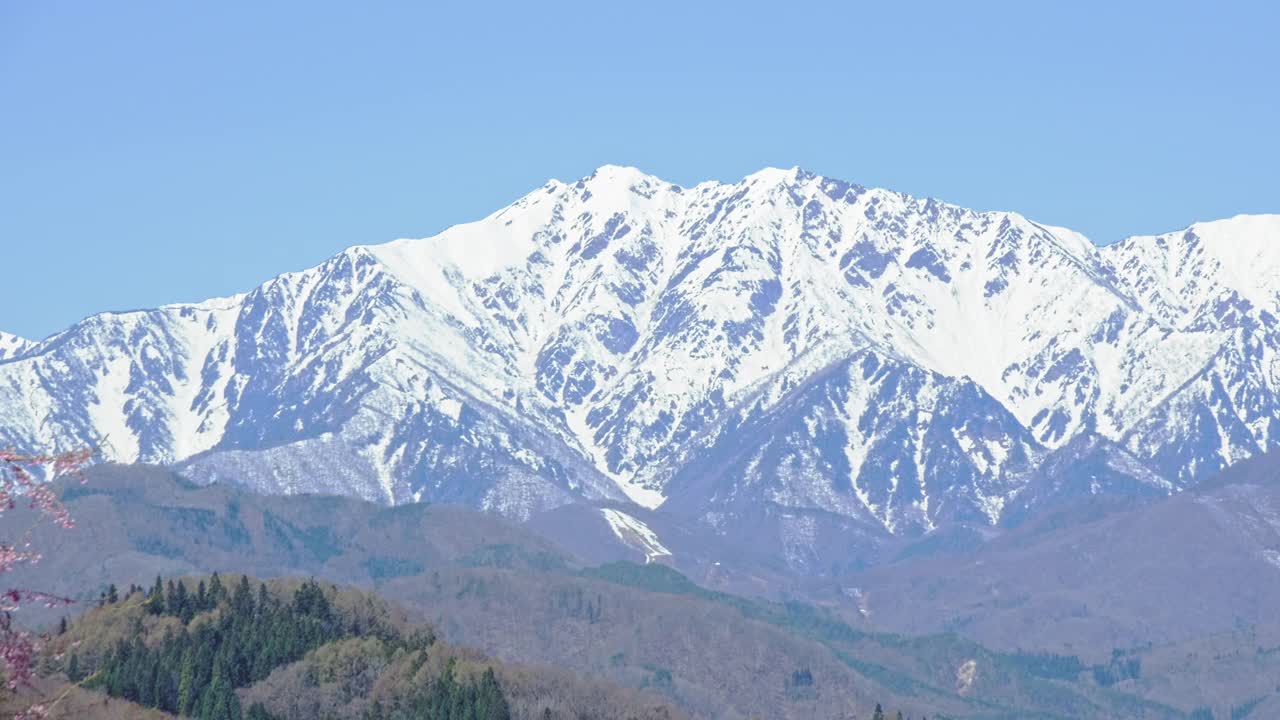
<point>23,478</point>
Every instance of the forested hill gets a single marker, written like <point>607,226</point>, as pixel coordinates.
<point>484,583</point>
<point>230,648</point>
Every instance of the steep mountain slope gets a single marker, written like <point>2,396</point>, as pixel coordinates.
<point>1102,571</point>
<point>1183,277</point>
<point>790,339</point>
<point>1219,280</point>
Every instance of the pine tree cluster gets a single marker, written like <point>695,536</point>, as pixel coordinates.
<point>195,672</point>
<point>446,698</point>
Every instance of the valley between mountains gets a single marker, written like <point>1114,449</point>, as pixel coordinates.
<point>1143,629</point>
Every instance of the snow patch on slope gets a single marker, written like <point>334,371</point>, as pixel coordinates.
<point>635,533</point>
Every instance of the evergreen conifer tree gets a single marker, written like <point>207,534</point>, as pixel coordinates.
<point>216,592</point>
<point>187,683</point>
<point>242,598</point>
<point>155,599</point>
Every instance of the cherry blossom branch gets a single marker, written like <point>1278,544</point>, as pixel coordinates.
<point>25,476</point>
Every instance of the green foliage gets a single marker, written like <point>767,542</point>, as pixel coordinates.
<point>258,712</point>
<point>232,637</point>
<point>799,617</point>
<point>507,555</point>
<point>447,698</point>
<point>381,567</point>
<point>404,515</point>
<point>317,543</point>
<point>196,671</point>
<point>651,578</point>
<point>573,602</point>
<point>1046,665</point>
<point>1040,676</point>
<point>474,587</point>
<point>226,533</point>
<point>658,678</point>
<point>77,491</point>
<point>1120,668</point>
<point>155,599</point>
<point>152,545</point>
<point>1240,712</point>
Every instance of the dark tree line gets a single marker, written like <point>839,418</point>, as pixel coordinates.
<point>1120,668</point>
<point>879,714</point>
<point>447,698</point>
<point>195,673</point>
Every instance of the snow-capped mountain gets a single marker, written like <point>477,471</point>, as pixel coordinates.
<point>788,340</point>
<point>1213,288</point>
<point>12,346</point>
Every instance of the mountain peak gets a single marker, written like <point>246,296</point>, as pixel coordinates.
<point>12,345</point>
<point>1263,228</point>
<point>775,175</point>
<point>769,176</point>
<point>622,173</point>
<point>1185,272</point>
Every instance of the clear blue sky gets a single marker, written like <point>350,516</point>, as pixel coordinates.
<point>152,152</point>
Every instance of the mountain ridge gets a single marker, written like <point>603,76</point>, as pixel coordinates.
<point>596,339</point>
